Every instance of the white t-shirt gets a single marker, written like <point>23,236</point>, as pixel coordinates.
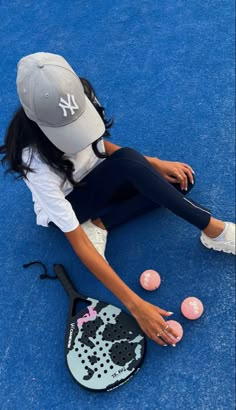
<point>48,190</point>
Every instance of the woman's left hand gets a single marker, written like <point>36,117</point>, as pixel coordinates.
<point>174,172</point>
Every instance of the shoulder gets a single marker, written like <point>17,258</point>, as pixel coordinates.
<point>40,170</point>
<point>30,157</point>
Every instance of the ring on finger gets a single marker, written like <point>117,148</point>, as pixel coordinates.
<point>159,334</point>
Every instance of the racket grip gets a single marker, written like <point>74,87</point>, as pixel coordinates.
<point>64,279</point>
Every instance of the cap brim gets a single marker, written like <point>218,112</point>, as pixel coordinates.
<point>76,136</point>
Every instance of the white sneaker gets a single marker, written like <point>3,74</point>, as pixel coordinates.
<point>225,242</point>
<point>96,235</point>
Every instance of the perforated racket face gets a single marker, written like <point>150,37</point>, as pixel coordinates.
<point>104,347</point>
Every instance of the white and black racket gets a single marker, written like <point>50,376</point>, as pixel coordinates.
<point>104,346</point>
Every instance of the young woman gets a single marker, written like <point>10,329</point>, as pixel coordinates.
<point>86,185</point>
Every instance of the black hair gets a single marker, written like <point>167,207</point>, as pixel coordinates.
<point>23,132</point>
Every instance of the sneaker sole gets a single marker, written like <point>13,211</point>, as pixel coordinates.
<point>215,249</point>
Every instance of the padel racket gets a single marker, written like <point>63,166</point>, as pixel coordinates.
<point>104,346</point>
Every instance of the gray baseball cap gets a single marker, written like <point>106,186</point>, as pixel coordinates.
<point>52,95</point>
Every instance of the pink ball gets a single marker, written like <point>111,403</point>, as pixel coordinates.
<point>176,326</point>
<point>192,308</point>
<point>150,279</point>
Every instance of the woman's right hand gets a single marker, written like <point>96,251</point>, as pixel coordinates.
<point>149,318</point>
<point>147,315</point>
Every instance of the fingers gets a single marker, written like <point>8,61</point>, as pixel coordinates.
<point>189,168</point>
<point>165,333</point>
<point>184,173</point>
<point>183,179</point>
<point>159,341</point>
<point>189,173</point>
<point>150,319</point>
<point>164,312</point>
<point>165,336</point>
<point>171,179</point>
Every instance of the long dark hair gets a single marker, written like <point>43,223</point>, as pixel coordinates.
<point>22,133</point>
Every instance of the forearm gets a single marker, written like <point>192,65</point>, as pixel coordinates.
<point>100,268</point>
<point>155,162</point>
<point>147,315</point>
<point>110,147</point>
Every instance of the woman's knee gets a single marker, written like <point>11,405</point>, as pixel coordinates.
<point>127,153</point>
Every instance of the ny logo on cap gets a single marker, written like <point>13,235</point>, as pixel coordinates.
<point>66,105</point>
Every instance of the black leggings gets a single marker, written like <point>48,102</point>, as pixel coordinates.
<point>124,186</point>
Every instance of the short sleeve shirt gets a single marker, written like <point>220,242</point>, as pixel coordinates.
<point>49,190</point>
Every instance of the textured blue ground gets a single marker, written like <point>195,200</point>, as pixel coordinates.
<point>165,70</point>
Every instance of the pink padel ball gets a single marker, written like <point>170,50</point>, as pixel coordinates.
<point>178,329</point>
<point>192,308</point>
<point>150,279</point>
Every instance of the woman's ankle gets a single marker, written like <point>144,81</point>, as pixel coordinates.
<point>214,228</point>
<point>98,222</point>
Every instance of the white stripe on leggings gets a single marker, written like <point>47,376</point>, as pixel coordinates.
<point>195,206</point>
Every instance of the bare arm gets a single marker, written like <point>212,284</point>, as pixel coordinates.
<point>100,268</point>
<point>173,172</point>
<point>110,148</point>
<point>148,316</point>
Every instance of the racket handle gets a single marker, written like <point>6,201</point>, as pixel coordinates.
<point>64,279</point>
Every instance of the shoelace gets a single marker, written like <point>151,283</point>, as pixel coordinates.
<point>100,236</point>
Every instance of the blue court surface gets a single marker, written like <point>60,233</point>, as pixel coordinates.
<point>165,71</point>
